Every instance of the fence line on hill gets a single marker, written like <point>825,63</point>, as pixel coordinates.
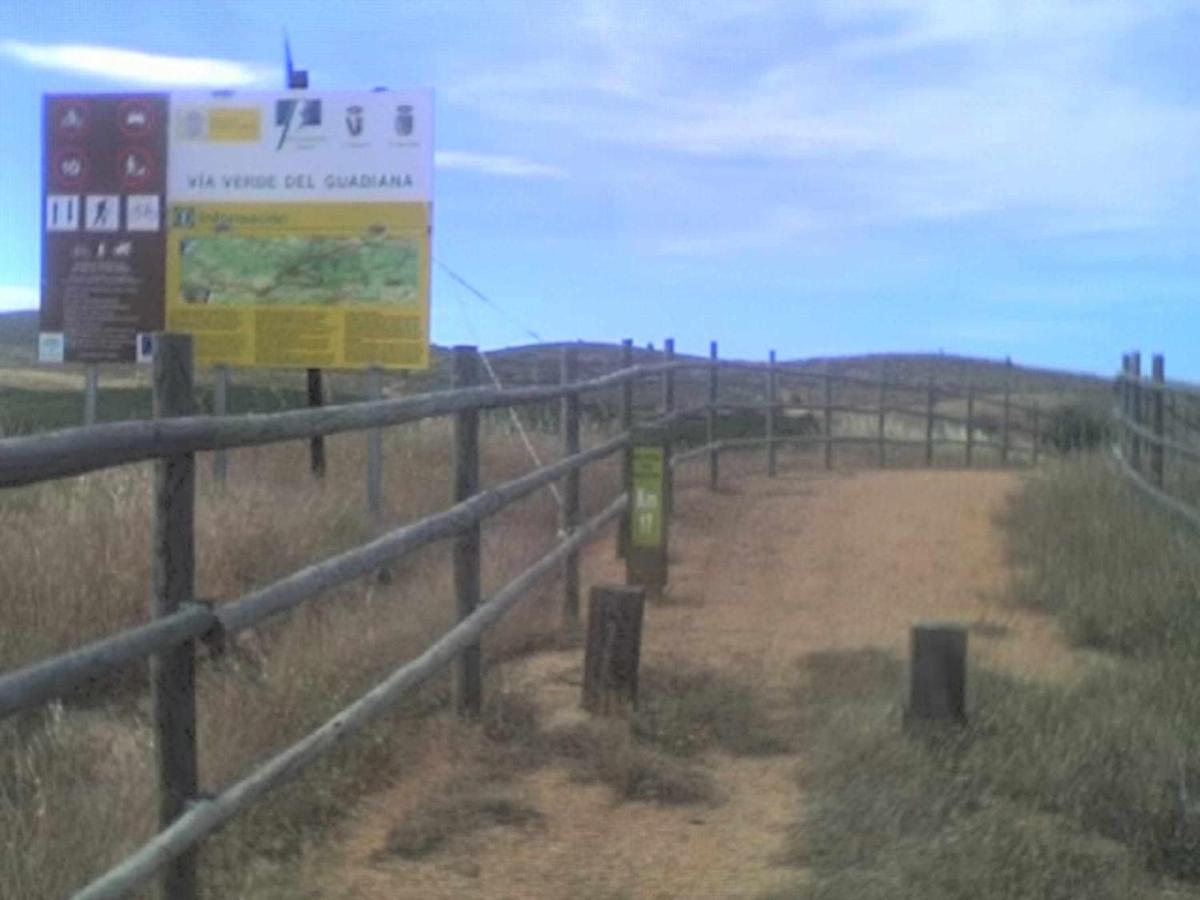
<point>1156,440</point>
<point>181,620</point>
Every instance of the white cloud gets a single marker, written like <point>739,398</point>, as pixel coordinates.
<point>136,67</point>
<point>1054,24</point>
<point>18,296</point>
<point>779,227</point>
<point>909,110</point>
<point>491,164</point>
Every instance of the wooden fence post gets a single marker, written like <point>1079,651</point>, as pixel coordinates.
<point>937,674</point>
<point>828,418</point>
<point>714,457</point>
<point>375,449</point>
<point>1135,408</point>
<point>1004,434</point>
<point>468,687</point>
<point>316,446</point>
<point>882,413</point>
<point>1123,394</point>
<point>614,648</point>
<point>1121,400</point>
<point>173,568</point>
<point>772,404</point>
<point>970,423</point>
<point>627,453</point>
<point>649,523</point>
<point>1037,430</point>
<point>929,401</point>
<point>1157,452</point>
<point>220,408</point>
<point>569,510</point>
<point>91,392</point>
<point>668,408</point>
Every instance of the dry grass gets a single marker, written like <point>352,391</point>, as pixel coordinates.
<point>606,752</point>
<point>1077,789</point>
<point>76,786</point>
<point>1119,574</point>
<point>686,709</point>
<point>481,787</point>
<point>467,807</point>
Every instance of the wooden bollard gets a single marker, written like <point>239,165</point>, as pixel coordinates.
<point>938,674</point>
<point>614,648</point>
<point>646,559</point>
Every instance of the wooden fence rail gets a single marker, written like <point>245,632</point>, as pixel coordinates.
<point>1154,447</point>
<point>207,815</point>
<point>181,620</point>
<point>77,451</point>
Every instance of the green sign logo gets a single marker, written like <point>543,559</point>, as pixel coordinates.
<point>646,529</point>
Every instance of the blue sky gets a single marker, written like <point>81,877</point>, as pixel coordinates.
<point>832,176</point>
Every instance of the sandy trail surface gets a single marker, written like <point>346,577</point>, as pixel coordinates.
<point>763,572</point>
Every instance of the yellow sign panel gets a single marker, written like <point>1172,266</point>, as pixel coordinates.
<point>233,124</point>
<point>303,285</point>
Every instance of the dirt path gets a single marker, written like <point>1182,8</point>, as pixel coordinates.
<point>763,573</point>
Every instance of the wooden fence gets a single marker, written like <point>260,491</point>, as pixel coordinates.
<point>180,620</point>
<point>1158,435</point>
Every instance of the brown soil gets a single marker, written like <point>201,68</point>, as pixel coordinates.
<point>763,572</point>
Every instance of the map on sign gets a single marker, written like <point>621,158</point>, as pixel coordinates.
<point>317,271</point>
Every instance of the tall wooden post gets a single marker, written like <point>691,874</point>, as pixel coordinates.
<point>569,510</point>
<point>649,523</point>
<point>1037,430</point>
<point>668,408</point>
<point>173,568</point>
<point>1135,407</point>
<point>468,686</point>
<point>1007,412</point>
<point>714,457</point>
<point>772,408</point>
<point>929,403</point>
<point>1157,453</point>
<point>970,423</point>
<point>882,413</point>
<point>220,408</point>
<point>1122,402</point>
<point>614,648</point>
<point>626,428</point>
<point>91,392</point>
<point>297,79</point>
<point>316,446</point>
<point>375,449</point>
<point>828,418</point>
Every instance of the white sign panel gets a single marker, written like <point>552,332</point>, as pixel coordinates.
<point>301,146</point>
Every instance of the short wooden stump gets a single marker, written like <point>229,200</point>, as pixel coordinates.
<point>938,674</point>
<point>614,648</point>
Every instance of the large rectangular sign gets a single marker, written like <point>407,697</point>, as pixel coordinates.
<point>103,240</point>
<point>296,227</point>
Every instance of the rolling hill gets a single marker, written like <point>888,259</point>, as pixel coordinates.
<point>34,398</point>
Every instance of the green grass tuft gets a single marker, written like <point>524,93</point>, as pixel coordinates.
<point>685,709</point>
<point>464,809</point>
<point>1089,788</point>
